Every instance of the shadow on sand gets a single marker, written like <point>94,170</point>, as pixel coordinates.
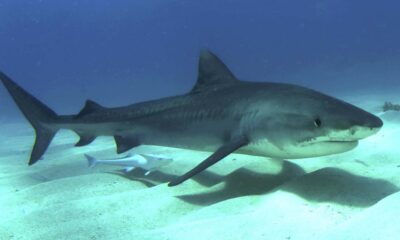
<point>324,185</point>
<point>342,187</point>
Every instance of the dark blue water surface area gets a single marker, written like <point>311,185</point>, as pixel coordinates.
<point>120,52</point>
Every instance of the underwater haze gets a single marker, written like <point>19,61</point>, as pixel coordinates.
<point>118,52</point>
<point>121,52</point>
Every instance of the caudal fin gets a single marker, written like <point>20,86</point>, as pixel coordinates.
<point>38,114</point>
<point>91,160</point>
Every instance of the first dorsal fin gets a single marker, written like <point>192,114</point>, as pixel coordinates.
<point>90,107</point>
<point>213,73</point>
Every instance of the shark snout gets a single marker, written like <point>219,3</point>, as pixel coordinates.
<point>369,126</point>
<point>374,122</point>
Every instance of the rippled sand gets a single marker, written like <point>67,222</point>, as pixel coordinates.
<point>352,195</point>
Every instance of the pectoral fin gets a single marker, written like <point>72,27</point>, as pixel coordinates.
<point>222,152</point>
<point>125,143</point>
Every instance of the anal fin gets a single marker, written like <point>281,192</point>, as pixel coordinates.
<point>222,152</point>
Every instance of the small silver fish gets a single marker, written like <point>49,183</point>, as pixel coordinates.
<point>131,161</point>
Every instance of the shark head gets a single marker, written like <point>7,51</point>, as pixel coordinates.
<point>285,120</point>
<point>298,122</point>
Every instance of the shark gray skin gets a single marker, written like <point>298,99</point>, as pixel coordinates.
<point>221,114</point>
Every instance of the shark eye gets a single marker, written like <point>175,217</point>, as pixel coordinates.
<point>317,122</point>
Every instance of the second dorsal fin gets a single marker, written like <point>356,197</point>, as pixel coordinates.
<point>90,107</point>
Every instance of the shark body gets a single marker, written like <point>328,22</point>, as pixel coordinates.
<point>132,161</point>
<point>221,114</point>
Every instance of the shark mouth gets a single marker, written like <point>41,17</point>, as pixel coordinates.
<point>352,135</point>
<point>327,147</point>
<point>341,140</point>
<point>330,141</point>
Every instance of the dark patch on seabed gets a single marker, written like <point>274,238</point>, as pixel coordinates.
<point>325,185</point>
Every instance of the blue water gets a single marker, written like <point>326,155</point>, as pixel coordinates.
<point>119,52</point>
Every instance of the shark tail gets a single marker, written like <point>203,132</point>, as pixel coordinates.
<point>38,114</point>
<point>91,160</point>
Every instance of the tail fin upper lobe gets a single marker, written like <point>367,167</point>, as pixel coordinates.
<point>38,114</point>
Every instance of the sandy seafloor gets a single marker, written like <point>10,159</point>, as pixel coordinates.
<point>353,195</point>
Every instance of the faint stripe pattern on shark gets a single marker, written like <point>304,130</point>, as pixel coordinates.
<point>221,114</point>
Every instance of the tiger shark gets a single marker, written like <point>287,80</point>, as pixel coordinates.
<point>221,114</point>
